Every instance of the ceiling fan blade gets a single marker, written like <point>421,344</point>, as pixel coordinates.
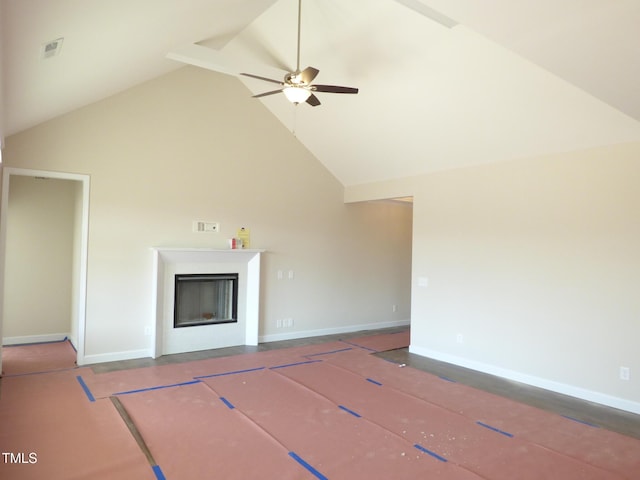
<point>272,92</point>
<point>308,74</point>
<point>313,100</point>
<point>262,78</point>
<point>333,89</point>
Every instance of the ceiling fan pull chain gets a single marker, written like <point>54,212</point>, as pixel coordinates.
<point>295,119</point>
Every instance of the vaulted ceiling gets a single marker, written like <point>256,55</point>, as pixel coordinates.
<point>513,78</point>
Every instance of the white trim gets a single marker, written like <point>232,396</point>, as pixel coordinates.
<point>50,337</point>
<point>276,337</point>
<point>82,280</point>
<point>166,258</point>
<point>252,314</point>
<point>155,330</point>
<point>558,387</point>
<point>116,356</point>
<point>84,245</point>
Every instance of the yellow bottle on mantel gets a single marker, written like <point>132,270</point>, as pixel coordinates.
<point>245,237</point>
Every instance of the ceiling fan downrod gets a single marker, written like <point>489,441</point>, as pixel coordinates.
<point>299,23</point>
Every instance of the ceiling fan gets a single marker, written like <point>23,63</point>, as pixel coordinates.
<point>297,86</point>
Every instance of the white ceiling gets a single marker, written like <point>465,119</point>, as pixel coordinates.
<point>515,78</point>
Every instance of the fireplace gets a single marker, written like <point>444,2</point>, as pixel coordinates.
<point>232,320</point>
<point>205,299</point>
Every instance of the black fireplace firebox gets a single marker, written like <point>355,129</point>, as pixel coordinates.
<point>205,299</point>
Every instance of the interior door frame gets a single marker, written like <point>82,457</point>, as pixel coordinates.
<point>81,287</point>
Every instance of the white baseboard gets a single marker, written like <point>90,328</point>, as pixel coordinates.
<point>134,354</point>
<point>558,387</point>
<point>276,337</point>
<point>23,340</point>
<point>115,356</point>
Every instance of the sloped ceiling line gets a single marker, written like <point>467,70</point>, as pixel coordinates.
<point>511,80</point>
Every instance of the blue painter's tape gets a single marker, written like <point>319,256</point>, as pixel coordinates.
<point>234,372</point>
<point>374,382</point>
<point>429,452</point>
<point>502,432</point>
<point>158,472</point>
<point>86,389</point>
<point>313,471</point>
<point>359,346</point>
<point>355,414</point>
<point>330,352</point>
<point>159,387</point>
<point>294,364</point>
<point>227,403</point>
<point>581,421</point>
<point>446,379</point>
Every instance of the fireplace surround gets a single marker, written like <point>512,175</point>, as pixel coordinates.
<point>207,329</point>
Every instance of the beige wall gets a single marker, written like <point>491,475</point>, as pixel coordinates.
<point>194,145</point>
<point>40,229</point>
<point>535,263</point>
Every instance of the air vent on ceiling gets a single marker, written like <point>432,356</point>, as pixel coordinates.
<point>52,48</point>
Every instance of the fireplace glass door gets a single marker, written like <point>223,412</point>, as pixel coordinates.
<point>205,299</point>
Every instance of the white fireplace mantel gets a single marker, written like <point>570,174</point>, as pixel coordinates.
<point>184,260</point>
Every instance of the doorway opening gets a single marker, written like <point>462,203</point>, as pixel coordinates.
<point>19,232</point>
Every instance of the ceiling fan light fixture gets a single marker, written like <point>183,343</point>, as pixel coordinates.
<point>296,94</point>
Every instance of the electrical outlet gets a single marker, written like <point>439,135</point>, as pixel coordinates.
<point>394,308</point>
<point>625,373</point>
<point>460,338</point>
<point>148,331</point>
